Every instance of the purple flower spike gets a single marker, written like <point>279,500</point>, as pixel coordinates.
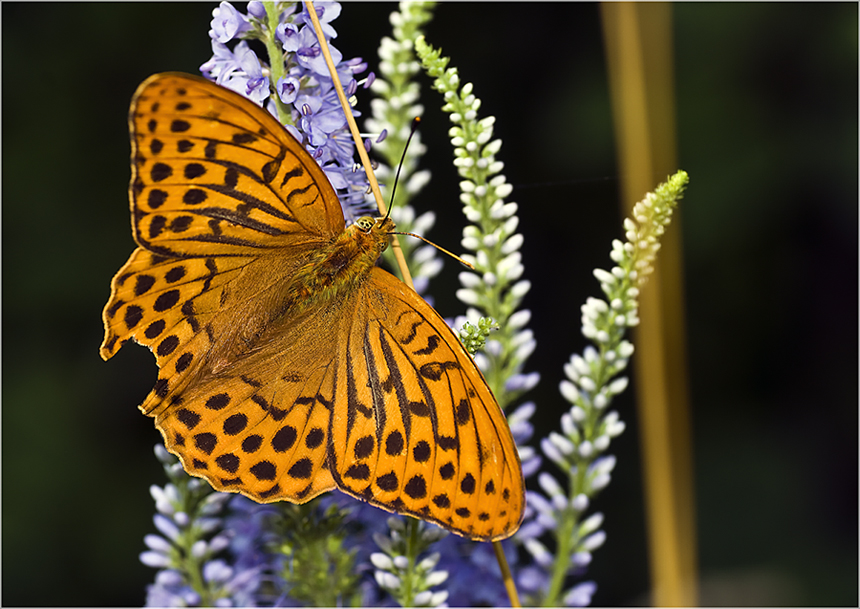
<point>154,559</point>
<point>217,571</point>
<point>227,23</point>
<point>166,526</point>
<point>580,595</point>
<point>531,466</point>
<point>306,47</point>
<point>251,82</point>
<point>222,64</point>
<point>257,10</point>
<point>288,35</point>
<point>532,579</point>
<point>326,13</point>
<point>288,89</point>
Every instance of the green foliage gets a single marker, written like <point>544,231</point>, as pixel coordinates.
<point>399,570</point>
<point>475,337</point>
<point>592,382</point>
<point>319,570</point>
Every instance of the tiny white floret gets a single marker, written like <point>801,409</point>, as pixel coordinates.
<point>580,502</point>
<point>568,391</point>
<point>587,383</point>
<point>381,561</point>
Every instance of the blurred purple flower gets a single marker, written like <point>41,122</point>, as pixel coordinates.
<point>227,23</point>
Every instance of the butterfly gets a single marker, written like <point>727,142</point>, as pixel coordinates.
<point>289,364</point>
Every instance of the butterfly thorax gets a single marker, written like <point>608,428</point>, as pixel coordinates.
<point>339,266</point>
<point>329,272</point>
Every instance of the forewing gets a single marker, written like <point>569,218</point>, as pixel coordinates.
<point>225,204</point>
<point>416,429</point>
<point>214,174</point>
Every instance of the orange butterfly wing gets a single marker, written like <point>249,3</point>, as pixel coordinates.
<point>285,402</point>
<point>426,437</point>
<point>213,174</point>
<point>224,204</point>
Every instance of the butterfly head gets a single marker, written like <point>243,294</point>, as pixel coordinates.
<point>380,227</point>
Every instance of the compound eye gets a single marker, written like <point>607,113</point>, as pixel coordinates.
<point>364,223</point>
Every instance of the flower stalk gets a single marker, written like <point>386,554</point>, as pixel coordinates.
<point>398,568</point>
<point>588,426</point>
<point>394,109</point>
<point>495,289</point>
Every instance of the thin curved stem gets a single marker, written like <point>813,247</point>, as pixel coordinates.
<point>359,145</point>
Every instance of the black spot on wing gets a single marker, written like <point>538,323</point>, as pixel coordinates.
<point>433,343</point>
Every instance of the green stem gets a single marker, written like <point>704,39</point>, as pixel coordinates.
<point>412,548</point>
<point>195,575</point>
<point>276,61</point>
<point>563,536</point>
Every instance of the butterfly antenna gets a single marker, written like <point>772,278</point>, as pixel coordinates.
<point>438,247</point>
<point>415,122</point>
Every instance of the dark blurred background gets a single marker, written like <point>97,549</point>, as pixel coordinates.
<point>767,127</point>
